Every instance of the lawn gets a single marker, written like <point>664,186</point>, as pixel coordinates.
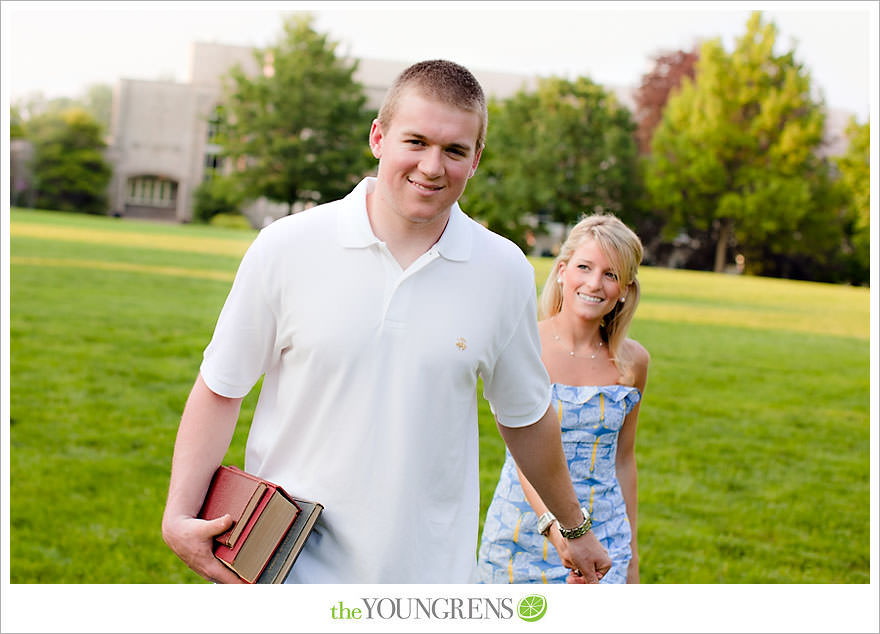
<point>753,440</point>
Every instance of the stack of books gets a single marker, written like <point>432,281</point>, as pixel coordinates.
<point>270,526</point>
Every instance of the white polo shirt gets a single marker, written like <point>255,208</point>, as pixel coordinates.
<point>368,403</point>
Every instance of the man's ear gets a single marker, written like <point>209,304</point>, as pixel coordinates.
<point>376,137</point>
<point>477,155</point>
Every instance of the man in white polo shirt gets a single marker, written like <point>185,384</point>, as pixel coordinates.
<point>370,320</point>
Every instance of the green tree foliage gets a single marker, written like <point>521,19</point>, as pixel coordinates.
<point>735,154</point>
<point>98,102</point>
<point>69,169</point>
<point>663,79</point>
<point>16,123</point>
<point>299,128</point>
<point>219,195</point>
<point>855,184</point>
<point>36,104</point>
<point>556,153</point>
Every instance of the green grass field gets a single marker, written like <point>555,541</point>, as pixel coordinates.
<point>753,440</point>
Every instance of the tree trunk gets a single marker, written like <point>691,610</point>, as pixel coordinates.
<point>721,247</point>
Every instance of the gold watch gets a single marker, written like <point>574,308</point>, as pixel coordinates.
<point>577,531</point>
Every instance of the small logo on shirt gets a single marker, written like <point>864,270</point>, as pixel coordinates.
<point>461,343</point>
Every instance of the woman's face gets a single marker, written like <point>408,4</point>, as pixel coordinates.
<point>589,287</point>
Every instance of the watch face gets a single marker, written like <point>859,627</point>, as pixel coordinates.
<point>544,523</point>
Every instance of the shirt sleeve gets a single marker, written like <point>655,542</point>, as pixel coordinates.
<point>518,386</point>
<point>243,343</point>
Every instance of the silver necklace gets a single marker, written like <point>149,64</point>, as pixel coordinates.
<point>571,352</point>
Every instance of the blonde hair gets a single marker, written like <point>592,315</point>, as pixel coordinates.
<point>624,251</point>
<point>443,81</point>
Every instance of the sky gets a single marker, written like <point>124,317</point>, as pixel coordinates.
<point>60,48</point>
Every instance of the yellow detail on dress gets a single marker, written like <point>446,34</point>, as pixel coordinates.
<point>515,539</point>
<point>586,412</point>
<point>596,444</point>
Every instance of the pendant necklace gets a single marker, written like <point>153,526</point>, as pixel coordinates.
<point>571,352</point>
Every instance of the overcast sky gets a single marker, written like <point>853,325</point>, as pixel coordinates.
<point>60,48</point>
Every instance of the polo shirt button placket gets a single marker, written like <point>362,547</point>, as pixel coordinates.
<point>395,309</point>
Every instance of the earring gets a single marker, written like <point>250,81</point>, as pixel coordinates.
<point>623,299</point>
<point>559,280</point>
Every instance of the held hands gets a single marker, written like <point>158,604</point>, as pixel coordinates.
<point>584,556</point>
<point>192,540</point>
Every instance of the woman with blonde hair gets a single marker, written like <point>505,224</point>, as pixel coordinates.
<point>599,377</point>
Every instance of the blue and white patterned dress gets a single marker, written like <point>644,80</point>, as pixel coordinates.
<point>511,549</point>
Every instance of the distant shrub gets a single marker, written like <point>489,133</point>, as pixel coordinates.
<point>220,195</point>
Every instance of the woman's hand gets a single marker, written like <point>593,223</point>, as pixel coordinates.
<point>561,546</point>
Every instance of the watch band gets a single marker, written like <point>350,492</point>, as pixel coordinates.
<point>577,531</point>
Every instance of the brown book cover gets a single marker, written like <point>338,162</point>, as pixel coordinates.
<point>288,550</point>
<point>237,493</point>
<point>261,539</point>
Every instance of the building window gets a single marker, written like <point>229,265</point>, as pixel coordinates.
<point>151,191</point>
<point>213,165</point>
<point>214,123</point>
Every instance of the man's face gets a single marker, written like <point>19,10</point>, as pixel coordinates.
<point>426,156</point>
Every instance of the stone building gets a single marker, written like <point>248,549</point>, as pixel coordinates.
<point>161,147</point>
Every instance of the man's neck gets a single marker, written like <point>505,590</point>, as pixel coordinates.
<point>406,240</point>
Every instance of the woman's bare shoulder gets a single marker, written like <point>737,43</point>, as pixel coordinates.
<point>641,359</point>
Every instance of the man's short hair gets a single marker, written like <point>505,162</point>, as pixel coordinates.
<point>444,81</point>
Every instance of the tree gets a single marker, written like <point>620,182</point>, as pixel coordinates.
<point>98,102</point>
<point>16,123</point>
<point>657,85</point>
<point>810,246</point>
<point>69,169</point>
<point>300,128</point>
<point>735,153</point>
<point>855,183</point>
<point>664,79</point>
<point>559,152</point>
<point>218,195</point>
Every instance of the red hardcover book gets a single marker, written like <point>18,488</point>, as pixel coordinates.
<point>263,530</point>
<point>235,492</point>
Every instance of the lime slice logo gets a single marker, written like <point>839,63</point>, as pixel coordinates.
<point>532,607</point>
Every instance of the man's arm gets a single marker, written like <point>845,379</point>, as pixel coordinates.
<point>538,506</point>
<point>537,450</point>
<point>203,438</point>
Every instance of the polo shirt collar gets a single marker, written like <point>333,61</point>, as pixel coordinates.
<point>355,231</point>
<point>455,243</point>
<point>354,227</point>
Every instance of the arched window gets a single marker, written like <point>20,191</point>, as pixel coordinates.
<point>151,191</point>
